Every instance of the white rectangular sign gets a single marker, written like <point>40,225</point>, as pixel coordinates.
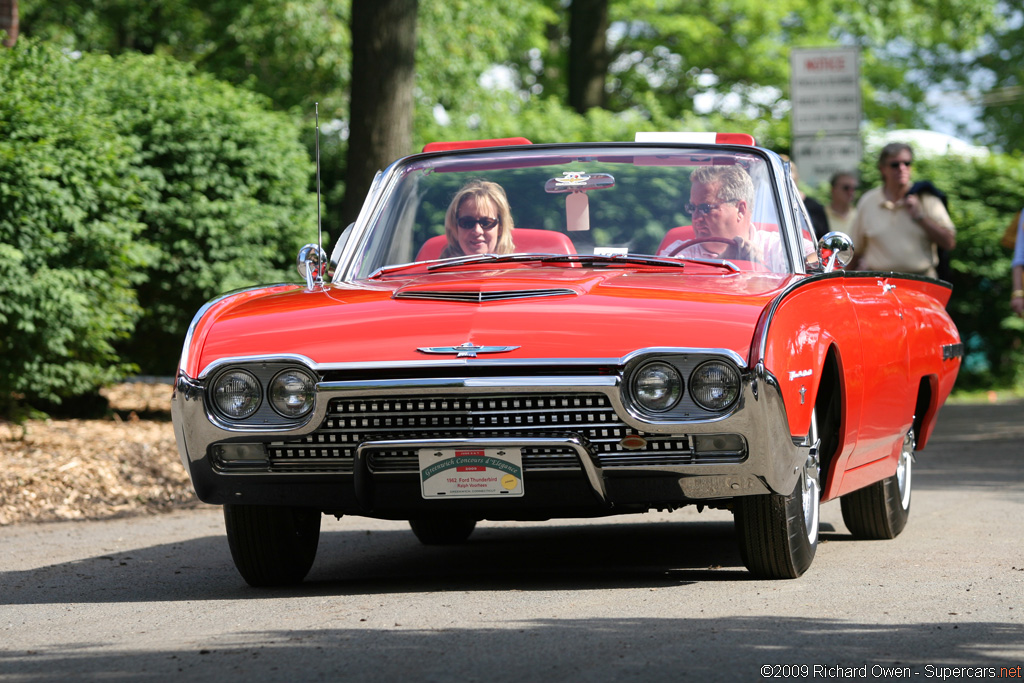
<point>471,472</point>
<point>819,158</point>
<point>825,90</point>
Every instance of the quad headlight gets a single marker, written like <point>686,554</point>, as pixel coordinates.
<point>237,394</point>
<point>715,385</point>
<point>657,386</point>
<point>266,394</point>
<point>292,393</point>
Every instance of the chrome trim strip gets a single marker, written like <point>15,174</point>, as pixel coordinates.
<point>951,351</point>
<point>461,362</point>
<point>477,296</point>
<point>513,385</point>
<point>274,358</point>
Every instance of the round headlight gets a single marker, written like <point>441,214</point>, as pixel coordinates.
<point>236,394</point>
<point>715,385</point>
<point>292,393</point>
<point>657,386</point>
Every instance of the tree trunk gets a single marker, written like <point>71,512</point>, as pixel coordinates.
<point>381,110</point>
<point>588,53</point>
<point>9,21</point>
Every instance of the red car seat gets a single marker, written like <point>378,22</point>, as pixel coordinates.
<point>526,240</point>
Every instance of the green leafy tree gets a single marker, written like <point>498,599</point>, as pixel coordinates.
<point>1001,66</point>
<point>132,190</point>
<point>295,52</point>
<point>225,198</point>
<point>69,205</point>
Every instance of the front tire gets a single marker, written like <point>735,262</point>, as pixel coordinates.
<point>881,510</point>
<point>272,545</point>
<point>778,535</point>
<point>442,530</point>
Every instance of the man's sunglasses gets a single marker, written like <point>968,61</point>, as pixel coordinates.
<point>692,209</point>
<point>470,222</point>
<point>897,164</point>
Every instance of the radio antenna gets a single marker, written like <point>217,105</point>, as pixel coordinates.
<point>319,228</point>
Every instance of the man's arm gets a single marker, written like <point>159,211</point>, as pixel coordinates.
<point>937,233</point>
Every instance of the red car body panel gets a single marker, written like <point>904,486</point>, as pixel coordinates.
<point>365,324</point>
<point>872,329</point>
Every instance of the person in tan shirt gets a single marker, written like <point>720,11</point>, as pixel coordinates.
<point>895,230</point>
<point>841,210</point>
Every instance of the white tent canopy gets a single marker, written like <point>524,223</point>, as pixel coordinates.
<point>925,143</point>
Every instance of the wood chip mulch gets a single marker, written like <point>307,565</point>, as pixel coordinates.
<point>125,464</point>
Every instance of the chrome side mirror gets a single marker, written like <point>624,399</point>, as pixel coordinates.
<point>311,263</point>
<point>835,250</point>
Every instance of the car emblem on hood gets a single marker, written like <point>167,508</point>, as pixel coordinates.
<point>467,350</point>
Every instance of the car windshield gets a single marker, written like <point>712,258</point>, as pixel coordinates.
<point>683,205</point>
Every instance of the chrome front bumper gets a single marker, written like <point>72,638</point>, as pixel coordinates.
<point>772,462</point>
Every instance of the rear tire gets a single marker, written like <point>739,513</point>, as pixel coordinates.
<point>881,510</point>
<point>272,545</point>
<point>442,530</point>
<point>778,535</point>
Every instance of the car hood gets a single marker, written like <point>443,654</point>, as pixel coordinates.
<point>544,313</point>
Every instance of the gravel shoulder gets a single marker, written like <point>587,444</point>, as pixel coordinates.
<point>124,464</point>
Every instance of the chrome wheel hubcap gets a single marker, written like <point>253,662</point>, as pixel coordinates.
<point>904,468</point>
<point>810,484</point>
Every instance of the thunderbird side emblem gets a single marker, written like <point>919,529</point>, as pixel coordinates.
<point>467,350</point>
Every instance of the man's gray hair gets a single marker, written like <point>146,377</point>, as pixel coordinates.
<point>891,150</point>
<point>733,182</point>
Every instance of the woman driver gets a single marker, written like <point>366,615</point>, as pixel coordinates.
<point>478,221</point>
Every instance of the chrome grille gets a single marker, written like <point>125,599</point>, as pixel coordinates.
<point>589,417</point>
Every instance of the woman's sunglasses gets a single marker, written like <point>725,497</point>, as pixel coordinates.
<point>897,164</point>
<point>470,222</point>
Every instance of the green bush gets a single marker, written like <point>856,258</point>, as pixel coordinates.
<point>69,204</point>
<point>226,202</point>
<point>984,193</point>
<point>132,190</point>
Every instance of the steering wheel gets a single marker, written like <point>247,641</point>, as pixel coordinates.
<point>698,240</point>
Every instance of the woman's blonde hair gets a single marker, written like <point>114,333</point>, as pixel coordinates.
<point>479,189</point>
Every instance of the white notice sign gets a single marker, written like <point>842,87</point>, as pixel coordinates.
<point>825,91</point>
<point>820,157</point>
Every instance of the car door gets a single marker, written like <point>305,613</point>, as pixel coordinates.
<point>887,401</point>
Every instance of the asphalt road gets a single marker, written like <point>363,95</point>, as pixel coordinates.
<point>661,597</point>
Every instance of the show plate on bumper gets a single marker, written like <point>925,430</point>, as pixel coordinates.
<point>447,473</point>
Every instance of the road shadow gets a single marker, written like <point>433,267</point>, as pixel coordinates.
<point>651,650</point>
<point>974,446</point>
<point>524,558</point>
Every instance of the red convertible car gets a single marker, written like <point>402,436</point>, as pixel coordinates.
<point>513,331</point>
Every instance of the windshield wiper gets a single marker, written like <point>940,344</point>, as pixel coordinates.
<point>611,259</point>
<point>587,259</point>
<point>491,258</point>
<point>453,262</point>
